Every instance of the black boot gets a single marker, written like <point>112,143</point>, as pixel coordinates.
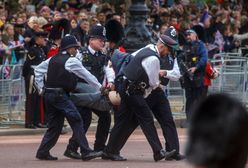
<point>72,154</point>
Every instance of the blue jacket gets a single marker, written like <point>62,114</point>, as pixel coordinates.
<point>202,53</point>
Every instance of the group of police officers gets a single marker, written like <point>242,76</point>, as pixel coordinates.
<point>85,71</point>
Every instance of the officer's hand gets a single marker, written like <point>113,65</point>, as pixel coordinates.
<point>192,69</point>
<point>162,73</point>
<point>111,86</point>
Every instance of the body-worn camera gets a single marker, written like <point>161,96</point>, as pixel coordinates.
<point>186,60</point>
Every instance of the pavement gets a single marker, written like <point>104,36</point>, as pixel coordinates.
<point>10,129</point>
<point>19,151</point>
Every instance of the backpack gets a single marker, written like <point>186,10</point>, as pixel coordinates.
<point>119,61</point>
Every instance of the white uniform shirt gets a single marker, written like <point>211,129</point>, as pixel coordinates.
<point>72,65</point>
<point>151,66</point>
<point>173,74</point>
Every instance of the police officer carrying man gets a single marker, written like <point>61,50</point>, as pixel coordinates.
<point>141,77</point>
<point>193,62</point>
<point>158,101</point>
<point>63,70</point>
<point>95,62</point>
<point>36,54</point>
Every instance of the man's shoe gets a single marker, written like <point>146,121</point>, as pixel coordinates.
<point>113,157</point>
<point>46,157</point>
<point>91,155</point>
<point>30,126</point>
<point>40,125</point>
<point>99,151</point>
<point>71,154</point>
<point>176,156</point>
<point>159,155</point>
<point>170,154</point>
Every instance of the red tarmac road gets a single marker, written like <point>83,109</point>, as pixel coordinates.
<point>19,152</point>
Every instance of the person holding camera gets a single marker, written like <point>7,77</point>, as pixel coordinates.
<point>192,63</point>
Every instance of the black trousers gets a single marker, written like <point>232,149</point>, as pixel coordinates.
<point>59,106</point>
<point>32,105</point>
<point>133,111</point>
<point>103,126</point>
<point>193,96</point>
<point>102,131</point>
<point>160,107</point>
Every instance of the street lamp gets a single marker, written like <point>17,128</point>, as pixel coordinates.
<point>137,34</point>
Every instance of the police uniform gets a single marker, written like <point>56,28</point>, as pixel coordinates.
<point>35,56</point>
<point>160,107</point>
<point>61,69</point>
<point>159,103</point>
<point>139,79</point>
<point>95,62</point>
<point>197,57</point>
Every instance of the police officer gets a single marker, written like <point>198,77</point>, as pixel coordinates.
<point>36,54</point>
<point>95,62</point>
<point>141,76</point>
<point>60,69</point>
<point>194,61</point>
<point>158,101</point>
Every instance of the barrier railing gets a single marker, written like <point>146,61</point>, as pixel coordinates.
<point>233,75</point>
<point>232,80</point>
<point>12,93</point>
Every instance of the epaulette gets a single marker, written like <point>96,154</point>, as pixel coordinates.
<point>102,53</point>
<point>84,50</point>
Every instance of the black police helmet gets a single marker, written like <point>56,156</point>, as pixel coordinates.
<point>169,37</point>
<point>69,41</point>
<point>97,31</point>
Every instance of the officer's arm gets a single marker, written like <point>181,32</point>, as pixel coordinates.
<point>152,67</point>
<point>109,72</point>
<point>75,66</point>
<point>203,56</point>
<point>173,74</point>
<point>39,73</point>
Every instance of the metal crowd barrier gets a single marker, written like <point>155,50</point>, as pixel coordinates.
<point>12,93</point>
<point>233,75</point>
<point>232,80</point>
<point>176,96</point>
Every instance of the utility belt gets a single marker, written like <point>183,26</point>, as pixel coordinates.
<point>55,90</point>
<point>133,87</point>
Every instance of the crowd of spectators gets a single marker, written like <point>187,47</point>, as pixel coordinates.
<point>222,24</point>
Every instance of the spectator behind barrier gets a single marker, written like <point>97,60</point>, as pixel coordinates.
<point>218,136</point>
